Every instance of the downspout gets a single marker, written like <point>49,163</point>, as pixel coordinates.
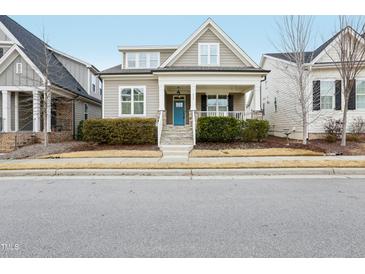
<point>263,80</point>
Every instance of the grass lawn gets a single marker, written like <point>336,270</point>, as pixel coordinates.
<point>107,154</point>
<point>254,152</point>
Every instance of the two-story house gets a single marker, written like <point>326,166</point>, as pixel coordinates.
<point>207,75</point>
<point>76,88</point>
<point>324,91</point>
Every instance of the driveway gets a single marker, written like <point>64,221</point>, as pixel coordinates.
<point>163,217</point>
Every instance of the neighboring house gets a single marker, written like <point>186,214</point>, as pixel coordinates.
<point>324,91</point>
<point>207,75</point>
<point>76,88</point>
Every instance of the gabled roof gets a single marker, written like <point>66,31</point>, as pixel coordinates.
<point>309,56</point>
<point>200,31</point>
<point>33,48</point>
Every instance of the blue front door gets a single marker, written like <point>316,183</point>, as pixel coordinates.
<point>179,112</point>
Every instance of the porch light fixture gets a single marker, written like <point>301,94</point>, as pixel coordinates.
<point>178,91</point>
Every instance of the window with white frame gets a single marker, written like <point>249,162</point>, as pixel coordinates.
<point>143,59</point>
<point>132,101</point>
<point>327,94</point>
<point>217,102</point>
<point>360,94</point>
<point>93,83</point>
<point>86,111</point>
<point>18,68</point>
<point>100,87</point>
<point>208,54</point>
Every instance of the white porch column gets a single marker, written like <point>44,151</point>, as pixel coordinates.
<point>6,110</point>
<point>49,107</point>
<point>16,111</point>
<point>257,103</point>
<point>161,97</point>
<point>36,111</point>
<point>193,97</point>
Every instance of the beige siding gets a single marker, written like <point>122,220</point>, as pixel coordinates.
<point>28,78</point>
<point>190,56</point>
<point>164,54</point>
<point>111,96</point>
<point>238,101</point>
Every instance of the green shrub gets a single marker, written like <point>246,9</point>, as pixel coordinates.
<point>80,134</point>
<point>218,129</point>
<point>254,129</point>
<point>126,131</point>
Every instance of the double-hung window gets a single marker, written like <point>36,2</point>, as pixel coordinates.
<point>86,111</point>
<point>132,101</point>
<point>93,83</point>
<point>360,94</point>
<point>142,60</point>
<point>217,103</point>
<point>327,94</point>
<point>208,54</point>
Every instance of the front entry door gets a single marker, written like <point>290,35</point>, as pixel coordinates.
<point>179,111</point>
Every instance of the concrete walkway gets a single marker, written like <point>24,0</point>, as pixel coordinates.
<point>189,160</point>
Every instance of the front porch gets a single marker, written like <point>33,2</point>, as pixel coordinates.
<point>22,122</point>
<point>181,104</point>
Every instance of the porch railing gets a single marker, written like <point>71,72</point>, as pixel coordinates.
<point>240,115</point>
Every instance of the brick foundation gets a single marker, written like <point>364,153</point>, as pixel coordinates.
<point>9,141</point>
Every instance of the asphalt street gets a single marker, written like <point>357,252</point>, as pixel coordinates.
<point>177,217</point>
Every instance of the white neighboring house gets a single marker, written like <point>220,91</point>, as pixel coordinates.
<point>324,88</point>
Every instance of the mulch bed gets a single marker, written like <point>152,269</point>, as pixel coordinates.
<point>352,148</point>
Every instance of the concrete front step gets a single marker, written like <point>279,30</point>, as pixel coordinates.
<point>176,151</point>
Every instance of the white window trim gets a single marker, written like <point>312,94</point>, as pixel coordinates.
<point>358,79</point>
<point>148,59</point>
<point>209,45</point>
<point>216,102</point>
<point>18,68</point>
<point>93,82</point>
<point>132,100</point>
<point>333,95</point>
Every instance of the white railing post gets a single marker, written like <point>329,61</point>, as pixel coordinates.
<point>159,127</point>
<point>6,110</point>
<point>194,128</point>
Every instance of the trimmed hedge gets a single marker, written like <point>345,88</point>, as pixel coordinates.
<point>80,133</point>
<point>254,130</point>
<point>126,131</point>
<point>218,129</point>
<point>229,129</point>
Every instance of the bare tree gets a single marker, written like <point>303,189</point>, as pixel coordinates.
<point>347,53</point>
<point>295,39</point>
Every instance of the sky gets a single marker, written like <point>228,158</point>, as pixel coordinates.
<point>95,39</point>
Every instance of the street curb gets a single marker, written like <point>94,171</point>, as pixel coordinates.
<point>184,172</point>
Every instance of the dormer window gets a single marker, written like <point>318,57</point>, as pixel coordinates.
<point>208,54</point>
<point>142,60</point>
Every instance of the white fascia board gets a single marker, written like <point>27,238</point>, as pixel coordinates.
<point>9,34</point>
<point>146,47</point>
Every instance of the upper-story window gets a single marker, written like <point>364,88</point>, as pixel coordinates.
<point>142,59</point>
<point>93,83</point>
<point>1,52</point>
<point>208,54</point>
<point>100,87</point>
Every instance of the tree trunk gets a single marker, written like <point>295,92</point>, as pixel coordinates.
<point>344,122</point>
<point>45,118</point>
<point>305,129</point>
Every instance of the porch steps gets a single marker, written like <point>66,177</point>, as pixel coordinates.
<point>176,141</point>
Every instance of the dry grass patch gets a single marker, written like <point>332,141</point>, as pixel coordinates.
<point>188,165</point>
<point>107,154</point>
<point>254,152</point>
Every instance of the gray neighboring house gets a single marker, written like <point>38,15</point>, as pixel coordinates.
<point>207,75</point>
<point>75,84</point>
